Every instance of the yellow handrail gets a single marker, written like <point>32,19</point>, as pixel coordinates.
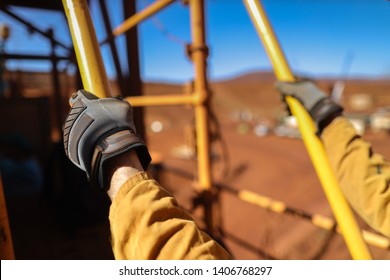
<point>343,213</point>
<point>86,46</point>
<point>318,220</point>
<point>140,16</point>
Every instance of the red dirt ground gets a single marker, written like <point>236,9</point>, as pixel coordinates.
<point>280,169</point>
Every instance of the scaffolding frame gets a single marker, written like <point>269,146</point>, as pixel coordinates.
<point>95,80</point>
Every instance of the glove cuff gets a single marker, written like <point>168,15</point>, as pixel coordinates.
<point>324,112</point>
<point>114,145</point>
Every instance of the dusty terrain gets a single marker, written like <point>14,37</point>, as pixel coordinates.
<point>278,168</point>
<point>273,166</point>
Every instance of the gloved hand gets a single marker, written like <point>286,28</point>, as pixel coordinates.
<point>97,130</point>
<point>320,107</point>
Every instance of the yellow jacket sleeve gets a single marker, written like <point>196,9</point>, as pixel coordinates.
<point>364,176</point>
<point>147,223</point>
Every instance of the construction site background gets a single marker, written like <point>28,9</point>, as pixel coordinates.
<point>54,214</point>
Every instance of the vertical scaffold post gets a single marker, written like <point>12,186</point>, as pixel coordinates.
<point>86,46</point>
<point>199,54</point>
<point>343,214</point>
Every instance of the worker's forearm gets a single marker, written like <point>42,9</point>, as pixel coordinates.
<point>147,223</point>
<point>121,168</point>
<point>363,175</point>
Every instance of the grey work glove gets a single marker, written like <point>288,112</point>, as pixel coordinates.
<point>320,107</point>
<point>96,130</point>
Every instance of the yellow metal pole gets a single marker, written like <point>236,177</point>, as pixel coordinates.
<point>6,246</point>
<point>199,56</point>
<point>318,220</point>
<point>198,52</point>
<point>343,214</point>
<point>86,47</point>
<point>140,16</point>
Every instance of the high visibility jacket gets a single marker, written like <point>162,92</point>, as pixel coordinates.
<point>364,176</point>
<point>147,223</point>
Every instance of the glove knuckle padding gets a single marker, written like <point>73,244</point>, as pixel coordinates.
<point>320,107</point>
<point>306,92</point>
<point>75,127</point>
<point>98,129</point>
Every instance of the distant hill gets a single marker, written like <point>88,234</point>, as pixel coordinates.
<point>249,77</point>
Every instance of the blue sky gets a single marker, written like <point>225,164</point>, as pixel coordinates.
<point>317,37</point>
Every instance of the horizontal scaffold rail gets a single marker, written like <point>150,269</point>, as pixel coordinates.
<point>318,220</point>
<point>280,207</point>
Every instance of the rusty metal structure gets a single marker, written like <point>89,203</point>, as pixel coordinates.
<point>89,60</point>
